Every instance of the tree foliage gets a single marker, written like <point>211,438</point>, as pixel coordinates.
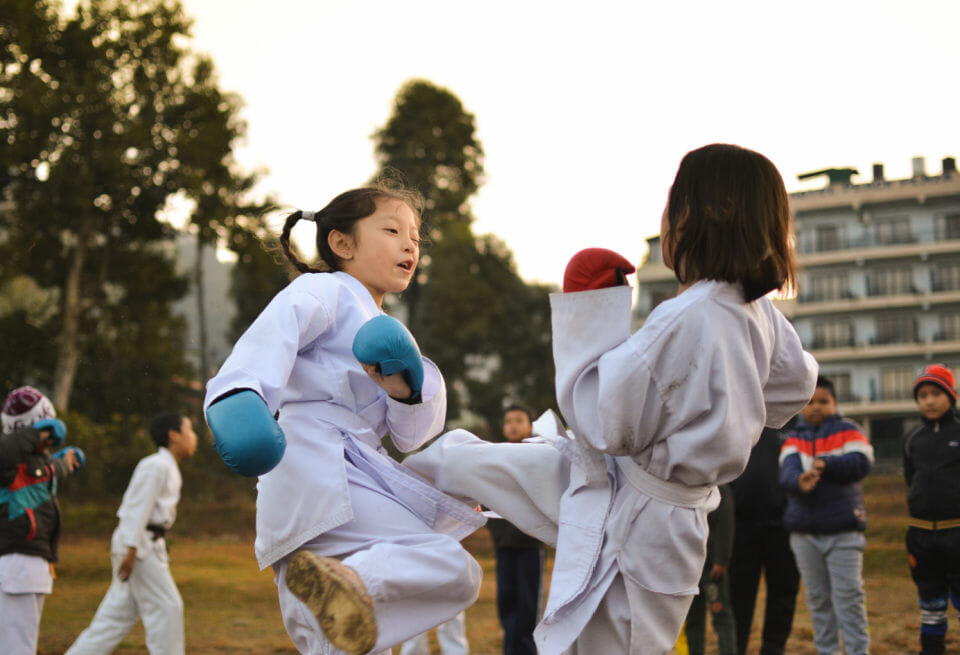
<point>107,120</point>
<point>487,330</point>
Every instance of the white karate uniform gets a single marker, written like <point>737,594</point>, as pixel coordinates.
<point>335,491</point>
<point>150,593</point>
<point>25,581</point>
<point>451,636</point>
<point>660,418</point>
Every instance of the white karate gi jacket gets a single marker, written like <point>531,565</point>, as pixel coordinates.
<point>660,418</point>
<point>298,356</point>
<point>150,499</point>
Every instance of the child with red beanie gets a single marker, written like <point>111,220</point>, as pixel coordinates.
<point>931,466</point>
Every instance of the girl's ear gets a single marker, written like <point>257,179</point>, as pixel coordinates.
<point>341,244</point>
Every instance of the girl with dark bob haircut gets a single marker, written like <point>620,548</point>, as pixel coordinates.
<point>728,219</point>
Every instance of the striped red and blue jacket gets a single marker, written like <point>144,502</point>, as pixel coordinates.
<point>29,514</point>
<point>836,503</point>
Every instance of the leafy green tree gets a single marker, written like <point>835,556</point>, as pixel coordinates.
<point>260,272</point>
<point>486,329</point>
<point>107,120</point>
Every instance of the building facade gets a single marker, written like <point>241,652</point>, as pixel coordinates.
<point>878,293</point>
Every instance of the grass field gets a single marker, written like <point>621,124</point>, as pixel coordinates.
<point>231,607</point>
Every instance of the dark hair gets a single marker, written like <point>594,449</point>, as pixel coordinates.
<point>160,427</point>
<point>517,407</point>
<point>826,384</point>
<point>341,214</point>
<point>729,219</point>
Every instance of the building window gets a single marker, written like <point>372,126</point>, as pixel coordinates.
<point>949,327</point>
<point>841,384</point>
<point>890,281</point>
<point>836,333</point>
<point>946,276</point>
<point>895,329</point>
<point>828,237</point>
<point>657,296</point>
<point>896,383</point>
<point>893,230</point>
<point>828,286</point>
<point>951,226</point>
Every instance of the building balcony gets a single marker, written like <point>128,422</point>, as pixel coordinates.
<point>863,407</point>
<point>799,307</point>
<point>917,189</point>
<point>861,251</point>
<point>919,349</point>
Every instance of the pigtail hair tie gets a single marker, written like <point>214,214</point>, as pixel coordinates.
<point>307,215</point>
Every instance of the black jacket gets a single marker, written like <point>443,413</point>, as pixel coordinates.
<point>29,514</point>
<point>931,465</point>
<point>507,535</point>
<point>758,497</point>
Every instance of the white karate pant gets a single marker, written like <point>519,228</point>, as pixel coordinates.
<point>524,485</point>
<point>417,578</point>
<point>148,594</point>
<point>20,621</point>
<point>451,635</point>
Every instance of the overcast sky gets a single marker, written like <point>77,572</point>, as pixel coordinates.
<point>585,109</point>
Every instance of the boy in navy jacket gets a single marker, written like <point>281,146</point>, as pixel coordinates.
<point>931,466</point>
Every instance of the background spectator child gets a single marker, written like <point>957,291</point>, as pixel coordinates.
<point>931,466</point>
<point>714,593</point>
<point>142,587</point>
<point>822,463</point>
<point>762,545</point>
<point>519,560</point>
<point>29,514</point>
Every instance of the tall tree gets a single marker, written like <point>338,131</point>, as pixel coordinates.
<point>488,331</point>
<point>106,118</point>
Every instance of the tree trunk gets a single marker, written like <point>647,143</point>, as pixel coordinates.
<point>68,350</point>
<point>201,310</point>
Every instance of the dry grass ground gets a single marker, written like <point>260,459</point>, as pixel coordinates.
<point>231,606</point>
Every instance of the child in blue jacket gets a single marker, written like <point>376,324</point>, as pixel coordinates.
<point>822,462</point>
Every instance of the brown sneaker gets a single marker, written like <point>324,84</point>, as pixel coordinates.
<point>337,597</point>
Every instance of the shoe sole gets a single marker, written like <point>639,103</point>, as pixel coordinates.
<point>345,613</point>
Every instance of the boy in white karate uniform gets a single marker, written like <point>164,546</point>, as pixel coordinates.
<point>659,418</point>
<point>142,586</point>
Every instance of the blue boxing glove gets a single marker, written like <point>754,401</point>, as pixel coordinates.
<point>81,458</point>
<point>386,343</point>
<point>55,426</point>
<point>247,437</point>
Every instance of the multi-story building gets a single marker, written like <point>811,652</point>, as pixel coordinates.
<point>878,292</point>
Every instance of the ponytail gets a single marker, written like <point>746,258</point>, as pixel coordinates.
<point>291,256</point>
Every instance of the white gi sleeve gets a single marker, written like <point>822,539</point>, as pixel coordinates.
<point>263,357</point>
<point>411,426</point>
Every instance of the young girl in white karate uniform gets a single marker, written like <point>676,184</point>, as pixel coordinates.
<point>658,418</point>
<point>365,554</point>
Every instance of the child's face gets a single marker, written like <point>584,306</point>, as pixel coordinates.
<point>822,405</point>
<point>932,401</point>
<point>184,440</point>
<point>516,426</point>
<point>383,250</point>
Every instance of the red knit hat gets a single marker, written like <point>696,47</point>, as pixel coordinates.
<point>939,375</point>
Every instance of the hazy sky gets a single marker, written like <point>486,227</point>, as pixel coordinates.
<point>585,109</point>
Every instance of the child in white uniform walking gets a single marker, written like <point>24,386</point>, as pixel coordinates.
<point>365,554</point>
<point>142,587</point>
<point>659,418</point>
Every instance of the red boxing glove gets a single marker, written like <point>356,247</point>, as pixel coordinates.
<point>596,268</point>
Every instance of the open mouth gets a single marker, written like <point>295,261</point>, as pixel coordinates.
<point>407,266</point>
